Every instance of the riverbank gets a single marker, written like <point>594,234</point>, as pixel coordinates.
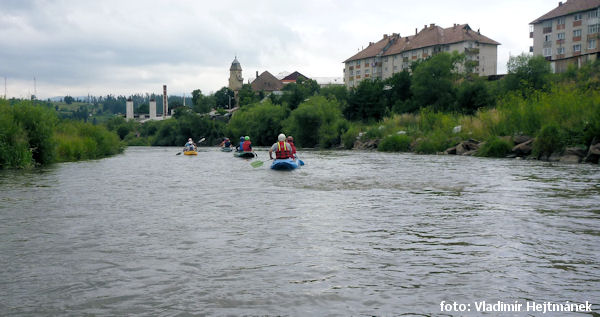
<point>562,124</point>
<point>32,135</point>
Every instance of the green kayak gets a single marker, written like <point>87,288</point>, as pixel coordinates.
<point>244,154</point>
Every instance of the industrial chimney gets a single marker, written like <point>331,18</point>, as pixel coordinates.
<point>129,109</point>
<point>152,109</point>
<point>165,102</point>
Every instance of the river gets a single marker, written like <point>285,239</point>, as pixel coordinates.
<point>152,233</point>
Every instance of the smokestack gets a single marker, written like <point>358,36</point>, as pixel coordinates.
<point>256,74</point>
<point>416,31</point>
<point>152,109</point>
<point>560,4</point>
<point>165,102</point>
<point>129,109</point>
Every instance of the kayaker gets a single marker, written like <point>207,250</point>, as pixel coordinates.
<point>225,143</point>
<point>247,145</point>
<point>290,140</point>
<point>190,145</point>
<point>282,149</point>
<point>240,148</point>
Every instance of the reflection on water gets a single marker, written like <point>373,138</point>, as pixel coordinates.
<point>351,233</point>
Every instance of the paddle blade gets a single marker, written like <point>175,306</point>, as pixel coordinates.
<point>201,140</point>
<point>300,162</point>
<point>257,163</point>
<point>179,153</point>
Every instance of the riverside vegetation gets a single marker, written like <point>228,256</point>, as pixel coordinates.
<point>440,106</point>
<point>32,135</point>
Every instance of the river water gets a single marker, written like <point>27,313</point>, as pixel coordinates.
<point>151,233</point>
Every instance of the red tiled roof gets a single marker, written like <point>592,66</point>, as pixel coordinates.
<point>428,36</point>
<point>371,50</point>
<point>292,77</point>
<point>267,82</point>
<point>571,6</point>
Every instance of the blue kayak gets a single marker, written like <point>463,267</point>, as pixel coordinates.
<point>284,164</point>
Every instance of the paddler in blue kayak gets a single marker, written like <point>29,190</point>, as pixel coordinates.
<point>282,149</point>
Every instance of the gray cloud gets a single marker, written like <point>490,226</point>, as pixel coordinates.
<point>72,45</point>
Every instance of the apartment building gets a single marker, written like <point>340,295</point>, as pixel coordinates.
<point>394,53</point>
<point>569,34</point>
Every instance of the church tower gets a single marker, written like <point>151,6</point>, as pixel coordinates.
<point>235,78</point>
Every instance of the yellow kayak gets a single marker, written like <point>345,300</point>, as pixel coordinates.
<point>190,153</point>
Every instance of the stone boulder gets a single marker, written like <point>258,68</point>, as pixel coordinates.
<point>593,154</point>
<point>523,149</point>
<point>572,155</point>
<point>518,139</point>
<point>367,145</point>
<point>470,146</point>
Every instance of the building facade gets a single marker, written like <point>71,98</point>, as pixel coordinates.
<point>569,34</point>
<point>394,53</point>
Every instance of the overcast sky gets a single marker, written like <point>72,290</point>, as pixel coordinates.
<point>76,47</point>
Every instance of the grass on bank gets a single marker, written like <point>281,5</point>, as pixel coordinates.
<point>564,116</point>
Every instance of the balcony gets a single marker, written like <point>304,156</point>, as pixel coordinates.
<point>593,36</point>
<point>471,51</point>
<point>547,30</point>
<point>560,27</point>
<point>576,38</point>
<point>559,42</point>
<point>351,68</point>
<point>531,49</point>
<point>577,23</point>
<point>547,44</point>
<point>548,58</point>
<point>530,35</point>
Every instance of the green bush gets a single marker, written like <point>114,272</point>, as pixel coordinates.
<point>432,143</point>
<point>350,135</point>
<point>76,140</point>
<point>14,145</point>
<point>317,121</point>
<point>395,143</point>
<point>495,147</point>
<point>38,122</point>
<point>548,141</point>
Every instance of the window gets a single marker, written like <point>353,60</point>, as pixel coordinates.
<point>592,44</point>
<point>593,28</point>
<point>560,21</point>
<point>576,48</point>
<point>547,51</point>
<point>358,72</point>
<point>547,37</point>
<point>577,17</point>
<point>560,50</point>
<point>577,33</point>
<point>593,14</point>
<point>561,36</point>
<point>351,73</point>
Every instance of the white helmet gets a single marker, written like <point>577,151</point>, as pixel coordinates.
<point>281,137</point>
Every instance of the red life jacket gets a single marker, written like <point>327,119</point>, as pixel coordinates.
<point>293,147</point>
<point>247,146</point>
<point>283,151</point>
